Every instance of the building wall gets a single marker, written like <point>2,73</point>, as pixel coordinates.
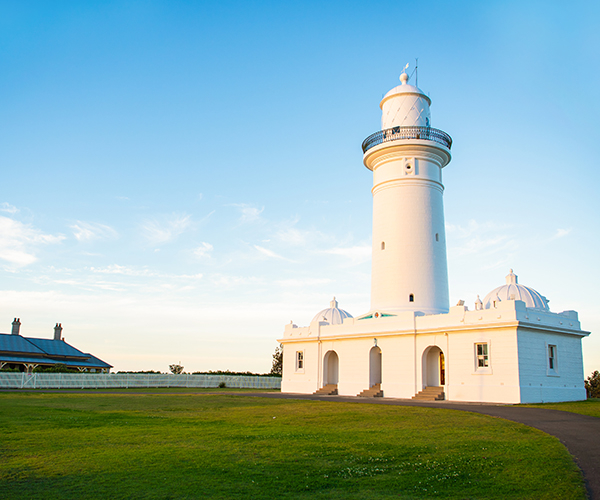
<point>540,384</point>
<point>305,381</point>
<point>497,383</point>
<point>516,354</point>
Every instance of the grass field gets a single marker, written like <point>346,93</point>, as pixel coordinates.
<point>589,407</point>
<point>132,445</point>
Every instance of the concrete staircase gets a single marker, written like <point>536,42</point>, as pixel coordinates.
<point>430,394</point>
<point>328,390</point>
<point>373,392</point>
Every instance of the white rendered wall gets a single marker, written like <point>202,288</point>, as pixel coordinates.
<point>305,381</point>
<point>538,383</point>
<point>499,382</point>
<point>517,339</point>
<point>409,239</point>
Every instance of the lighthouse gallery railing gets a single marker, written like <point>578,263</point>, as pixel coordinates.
<point>401,133</point>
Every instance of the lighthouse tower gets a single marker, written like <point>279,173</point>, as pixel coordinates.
<point>409,265</point>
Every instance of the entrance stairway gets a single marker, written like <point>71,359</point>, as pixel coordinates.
<point>373,392</point>
<point>430,394</point>
<point>328,390</point>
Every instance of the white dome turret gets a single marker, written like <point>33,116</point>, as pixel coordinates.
<point>513,291</point>
<point>405,106</point>
<point>333,315</point>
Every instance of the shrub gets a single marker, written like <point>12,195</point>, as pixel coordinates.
<point>222,385</point>
<point>592,385</point>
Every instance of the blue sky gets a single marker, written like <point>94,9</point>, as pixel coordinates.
<point>181,179</point>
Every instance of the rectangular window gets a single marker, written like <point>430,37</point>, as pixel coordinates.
<point>483,357</point>
<point>299,361</point>
<point>552,358</point>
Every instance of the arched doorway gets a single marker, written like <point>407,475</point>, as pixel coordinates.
<point>374,366</point>
<point>434,367</point>
<point>330,368</point>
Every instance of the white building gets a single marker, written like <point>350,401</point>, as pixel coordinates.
<point>509,349</point>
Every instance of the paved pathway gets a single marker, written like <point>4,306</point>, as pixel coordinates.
<point>579,433</point>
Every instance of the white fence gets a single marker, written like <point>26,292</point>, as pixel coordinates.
<point>131,380</point>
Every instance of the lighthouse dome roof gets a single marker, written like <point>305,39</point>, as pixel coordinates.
<point>405,106</point>
<point>405,88</point>
<point>332,315</point>
<point>512,290</point>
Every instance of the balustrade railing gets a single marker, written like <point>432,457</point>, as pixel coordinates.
<point>403,133</point>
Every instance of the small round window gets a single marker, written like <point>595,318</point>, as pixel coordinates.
<point>408,167</point>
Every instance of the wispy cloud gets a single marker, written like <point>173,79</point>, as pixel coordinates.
<point>484,239</point>
<point>293,236</point>
<point>123,270</point>
<point>162,231</point>
<point>560,233</point>
<point>293,283</point>
<point>270,253</point>
<point>203,250</point>
<point>143,272</point>
<point>249,213</point>
<point>8,208</point>
<point>19,242</point>
<point>86,231</point>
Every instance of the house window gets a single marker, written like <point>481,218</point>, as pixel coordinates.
<point>411,298</point>
<point>483,357</point>
<point>383,245</point>
<point>552,358</point>
<point>299,361</point>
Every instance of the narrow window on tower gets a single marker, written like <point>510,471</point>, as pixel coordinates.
<point>383,245</point>
<point>411,298</point>
<point>437,237</point>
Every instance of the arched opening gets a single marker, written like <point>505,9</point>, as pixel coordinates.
<point>374,366</point>
<point>411,297</point>
<point>330,368</point>
<point>434,367</point>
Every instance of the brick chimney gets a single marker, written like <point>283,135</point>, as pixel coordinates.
<point>57,331</point>
<point>16,326</point>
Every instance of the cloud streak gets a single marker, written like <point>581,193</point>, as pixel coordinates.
<point>87,231</point>
<point>161,232</point>
<point>19,242</point>
<point>8,208</point>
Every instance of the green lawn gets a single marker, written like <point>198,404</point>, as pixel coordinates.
<point>589,407</point>
<point>130,445</point>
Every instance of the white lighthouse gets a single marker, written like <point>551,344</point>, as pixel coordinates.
<point>510,348</point>
<point>409,266</point>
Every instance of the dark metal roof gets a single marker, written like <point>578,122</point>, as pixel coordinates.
<point>56,347</point>
<point>16,343</point>
<point>24,359</point>
<point>15,349</point>
<point>97,362</point>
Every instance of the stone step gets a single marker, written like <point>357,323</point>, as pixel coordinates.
<point>327,390</point>
<point>430,394</point>
<point>373,392</point>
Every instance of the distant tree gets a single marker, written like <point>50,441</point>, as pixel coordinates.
<point>277,367</point>
<point>176,369</point>
<point>56,368</point>
<point>592,385</point>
